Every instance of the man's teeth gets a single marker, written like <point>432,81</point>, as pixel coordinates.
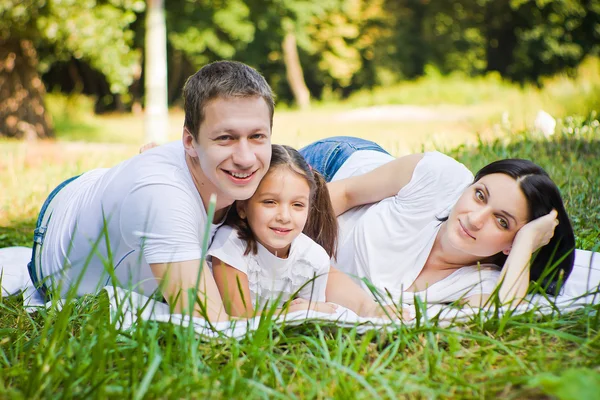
<point>240,175</point>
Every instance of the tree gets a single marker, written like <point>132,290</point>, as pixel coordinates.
<point>36,33</point>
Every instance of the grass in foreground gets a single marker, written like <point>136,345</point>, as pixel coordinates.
<point>77,352</point>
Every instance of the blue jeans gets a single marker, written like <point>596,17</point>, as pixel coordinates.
<point>34,267</point>
<point>328,155</point>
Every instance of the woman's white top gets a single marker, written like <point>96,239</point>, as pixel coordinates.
<point>272,279</point>
<point>389,242</point>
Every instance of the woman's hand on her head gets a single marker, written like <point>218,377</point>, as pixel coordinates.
<point>539,231</point>
<point>299,304</point>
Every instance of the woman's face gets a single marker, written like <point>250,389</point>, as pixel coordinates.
<point>487,216</point>
<point>278,210</point>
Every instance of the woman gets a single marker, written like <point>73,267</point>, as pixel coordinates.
<point>439,233</point>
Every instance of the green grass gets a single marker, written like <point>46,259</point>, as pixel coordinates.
<point>77,352</point>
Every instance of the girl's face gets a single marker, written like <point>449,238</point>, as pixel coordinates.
<point>487,216</point>
<point>278,210</point>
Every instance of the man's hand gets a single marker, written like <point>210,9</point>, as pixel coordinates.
<point>148,146</point>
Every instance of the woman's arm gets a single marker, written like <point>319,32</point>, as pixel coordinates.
<point>342,290</point>
<point>384,181</point>
<point>514,279</point>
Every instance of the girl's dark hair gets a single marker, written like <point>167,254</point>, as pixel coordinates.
<point>321,225</point>
<point>542,196</point>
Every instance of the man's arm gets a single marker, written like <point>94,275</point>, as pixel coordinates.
<point>234,288</point>
<point>175,279</point>
<point>384,181</point>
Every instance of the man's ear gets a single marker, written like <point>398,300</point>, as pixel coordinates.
<point>188,143</point>
<point>240,207</point>
<point>507,251</point>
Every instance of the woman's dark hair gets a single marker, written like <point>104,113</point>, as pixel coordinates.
<point>321,225</point>
<point>553,262</point>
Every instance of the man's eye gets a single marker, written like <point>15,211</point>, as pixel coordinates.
<point>224,138</point>
<point>259,136</point>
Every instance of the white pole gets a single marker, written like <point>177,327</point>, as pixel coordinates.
<point>155,81</point>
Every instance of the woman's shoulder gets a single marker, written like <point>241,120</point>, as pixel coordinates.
<point>437,174</point>
<point>444,165</point>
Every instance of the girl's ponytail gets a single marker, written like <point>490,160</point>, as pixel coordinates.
<point>321,225</point>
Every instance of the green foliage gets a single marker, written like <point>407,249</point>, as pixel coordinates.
<point>206,31</point>
<point>95,31</point>
<point>557,35</point>
<point>575,383</point>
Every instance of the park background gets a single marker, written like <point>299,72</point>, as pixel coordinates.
<point>83,82</point>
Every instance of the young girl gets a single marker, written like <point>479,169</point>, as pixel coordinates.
<point>278,244</point>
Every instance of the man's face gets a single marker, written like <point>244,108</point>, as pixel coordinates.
<point>233,147</point>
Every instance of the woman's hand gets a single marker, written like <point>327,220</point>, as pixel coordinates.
<point>514,279</point>
<point>539,231</point>
<point>299,304</point>
<point>391,312</point>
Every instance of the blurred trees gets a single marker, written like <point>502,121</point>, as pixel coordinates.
<point>35,34</point>
<point>305,48</point>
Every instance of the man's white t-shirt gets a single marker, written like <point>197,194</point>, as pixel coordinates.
<point>389,242</point>
<point>117,221</point>
<point>303,273</point>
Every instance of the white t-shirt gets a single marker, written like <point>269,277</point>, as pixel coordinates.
<point>389,242</point>
<point>271,278</point>
<point>144,210</point>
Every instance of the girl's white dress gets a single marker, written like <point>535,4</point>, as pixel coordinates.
<point>272,279</point>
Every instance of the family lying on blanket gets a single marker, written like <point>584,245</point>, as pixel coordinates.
<point>340,222</point>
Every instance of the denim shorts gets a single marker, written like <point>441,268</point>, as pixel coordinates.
<point>328,155</point>
<point>34,266</point>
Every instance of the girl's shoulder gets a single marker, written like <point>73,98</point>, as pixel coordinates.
<point>308,251</point>
<point>228,247</point>
<point>225,235</point>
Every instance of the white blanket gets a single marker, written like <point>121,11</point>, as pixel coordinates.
<point>581,289</point>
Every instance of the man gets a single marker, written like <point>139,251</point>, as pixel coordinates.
<point>142,222</point>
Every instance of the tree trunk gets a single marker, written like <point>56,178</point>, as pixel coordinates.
<point>155,74</point>
<point>22,110</point>
<point>293,71</point>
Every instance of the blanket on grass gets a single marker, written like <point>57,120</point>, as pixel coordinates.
<point>581,289</point>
